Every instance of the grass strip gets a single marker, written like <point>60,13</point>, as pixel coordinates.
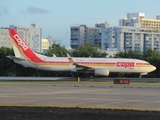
<point>157,84</point>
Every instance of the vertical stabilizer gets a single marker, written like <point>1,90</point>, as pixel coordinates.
<point>21,49</point>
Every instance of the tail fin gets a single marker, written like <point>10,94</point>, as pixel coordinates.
<point>21,49</point>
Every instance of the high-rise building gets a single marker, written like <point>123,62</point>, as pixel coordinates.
<point>134,33</point>
<point>138,20</point>
<point>83,34</point>
<point>129,38</point>
<point>5,38</point>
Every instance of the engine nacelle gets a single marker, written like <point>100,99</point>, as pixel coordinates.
<point>101,72</point>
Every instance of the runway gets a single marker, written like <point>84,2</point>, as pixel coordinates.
<point>107,79</point>
<point>81,95</point>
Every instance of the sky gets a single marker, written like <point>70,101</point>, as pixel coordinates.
<point>57,16</point>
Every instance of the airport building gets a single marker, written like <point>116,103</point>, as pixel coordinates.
<point>83,34</point>
<point>133,33</point>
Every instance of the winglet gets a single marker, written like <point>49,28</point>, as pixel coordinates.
<point>70,60</point>
<point>54,55</point>
<point>68,55</point>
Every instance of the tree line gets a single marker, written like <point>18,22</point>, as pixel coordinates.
<point>9,68</point>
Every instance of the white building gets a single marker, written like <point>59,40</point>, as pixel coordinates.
<point>133,19</point>
<point>83,34</point>
<point>138,20</point>
<point>129,38</point>
<point>134,33</point>
<point>5,38</point>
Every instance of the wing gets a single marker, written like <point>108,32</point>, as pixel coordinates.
<point>79,67</point>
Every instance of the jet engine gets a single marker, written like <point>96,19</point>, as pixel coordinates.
<point>101,72</point>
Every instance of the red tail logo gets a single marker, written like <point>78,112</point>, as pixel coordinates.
<point>23,47</point>
<point>20,42</point>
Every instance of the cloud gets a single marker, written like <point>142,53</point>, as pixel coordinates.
<point>34,10</point>
<point>3,11</point>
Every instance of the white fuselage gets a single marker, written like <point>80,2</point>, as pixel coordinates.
<point>112,64</point>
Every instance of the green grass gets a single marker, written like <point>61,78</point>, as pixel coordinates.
<point>80,83</point>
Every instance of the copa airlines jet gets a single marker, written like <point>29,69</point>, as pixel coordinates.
<point>99,66</point>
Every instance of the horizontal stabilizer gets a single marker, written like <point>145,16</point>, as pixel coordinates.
<point>15,58</point>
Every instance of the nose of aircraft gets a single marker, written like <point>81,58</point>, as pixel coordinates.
<point>153,68</point>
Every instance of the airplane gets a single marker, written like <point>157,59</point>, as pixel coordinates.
<point>26,57</point>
